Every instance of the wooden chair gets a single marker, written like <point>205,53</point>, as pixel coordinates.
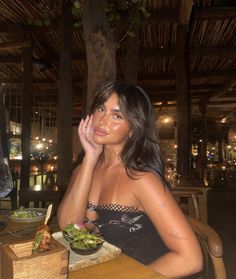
<point>196,201</point>
<point>212,248</point>
<point>39,198</point>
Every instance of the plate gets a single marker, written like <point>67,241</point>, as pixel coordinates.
<point>40,212</point>
<point>77,261</point>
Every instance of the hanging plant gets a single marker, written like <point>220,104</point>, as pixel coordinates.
<point>115,10</point>
<point>46,18</point>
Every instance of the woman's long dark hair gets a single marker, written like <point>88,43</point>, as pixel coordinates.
<point>141,151</point>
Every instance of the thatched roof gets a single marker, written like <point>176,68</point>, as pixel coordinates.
<point>212,54</point>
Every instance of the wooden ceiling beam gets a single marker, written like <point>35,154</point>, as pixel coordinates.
<point>223,90</point>
<point>144,54</point>
<point>11,28</point>
<point>213,51</point>
<point>15,45</point>
<point>157,89</point>
<point>143,77</point>
<point>10,59</point>
<point>171,76</point>
<point>214,13</point>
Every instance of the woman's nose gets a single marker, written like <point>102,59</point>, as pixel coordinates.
<point>102,120</point>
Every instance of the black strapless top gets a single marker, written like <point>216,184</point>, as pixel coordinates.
<point>131,230</point>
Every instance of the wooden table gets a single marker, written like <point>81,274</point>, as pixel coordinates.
<point>122,267</point>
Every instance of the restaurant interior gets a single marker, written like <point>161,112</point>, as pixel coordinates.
<point>182,53</point>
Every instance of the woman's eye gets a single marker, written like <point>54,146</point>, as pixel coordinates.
<point>100,108</point>
<point>117,116</point>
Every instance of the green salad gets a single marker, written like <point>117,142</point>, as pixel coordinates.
<point>80,237</point>
<point>22,213</point>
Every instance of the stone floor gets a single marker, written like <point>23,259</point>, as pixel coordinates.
<point>222,217</point>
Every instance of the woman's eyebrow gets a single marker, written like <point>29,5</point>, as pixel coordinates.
<point>116,110</point>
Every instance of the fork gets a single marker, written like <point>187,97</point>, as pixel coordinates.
<point>19,232</point>
<point>16,234</point>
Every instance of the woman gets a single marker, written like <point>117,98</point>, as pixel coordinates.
<point>119,185</point>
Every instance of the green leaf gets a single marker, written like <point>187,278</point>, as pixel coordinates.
<point>131,34</point>
<point>45,13</point>
<point>117,17</point>
<point>46,21</point>
<point>77,24</point>
<point>77,4</point>
<point>29,21</point>
<point>38,22</point>
<point>144,11</point>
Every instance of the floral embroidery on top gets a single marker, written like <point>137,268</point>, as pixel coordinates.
<point>127,223</point>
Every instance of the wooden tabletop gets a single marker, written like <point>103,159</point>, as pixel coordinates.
<point>122,267</point>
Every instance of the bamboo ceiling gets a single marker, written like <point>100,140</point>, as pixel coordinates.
<point>211,63</point>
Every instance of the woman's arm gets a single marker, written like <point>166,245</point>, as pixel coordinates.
<point>185,256</point>
<point>73,206</point>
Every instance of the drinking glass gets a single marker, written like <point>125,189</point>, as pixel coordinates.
<point>6,182</point>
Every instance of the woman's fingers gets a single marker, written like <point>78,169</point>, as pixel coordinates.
<point>85,128</point>
<point>84,125</point>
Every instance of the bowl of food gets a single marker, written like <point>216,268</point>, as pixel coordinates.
<point>84,251</point>
<point>27,214</point>
<point>81,240</point>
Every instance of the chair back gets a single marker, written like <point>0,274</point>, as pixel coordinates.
<point>39,198</point>
<point>211,245</point>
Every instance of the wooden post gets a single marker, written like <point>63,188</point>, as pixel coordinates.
<point>203,146</point>
<point>64,115</point>
<point>183,104</point>
<point>131,52</point>
<point>27,98</point>
<point>220,147</point>
<point>3,126</point>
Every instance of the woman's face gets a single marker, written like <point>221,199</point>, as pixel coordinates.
<point>109,124</point>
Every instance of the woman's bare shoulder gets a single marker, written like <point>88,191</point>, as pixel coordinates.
<point>149,179</point>
<point>148,182</point>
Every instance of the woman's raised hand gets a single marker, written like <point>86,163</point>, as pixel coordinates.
<point>91,149</point>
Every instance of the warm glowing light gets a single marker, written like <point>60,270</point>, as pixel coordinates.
<point>39,146</point>
<point>229,146</point>
<point>37,138</point>
<point>166,120</point>
<point>55,157</point>
<point>43,139</point>
<point>37,187</point>
<point>175,146</point>
<point>50,141</point>
<point>200,140</point>
<point>223,120</point>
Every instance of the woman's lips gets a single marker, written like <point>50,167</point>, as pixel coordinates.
<point>100,132</point>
